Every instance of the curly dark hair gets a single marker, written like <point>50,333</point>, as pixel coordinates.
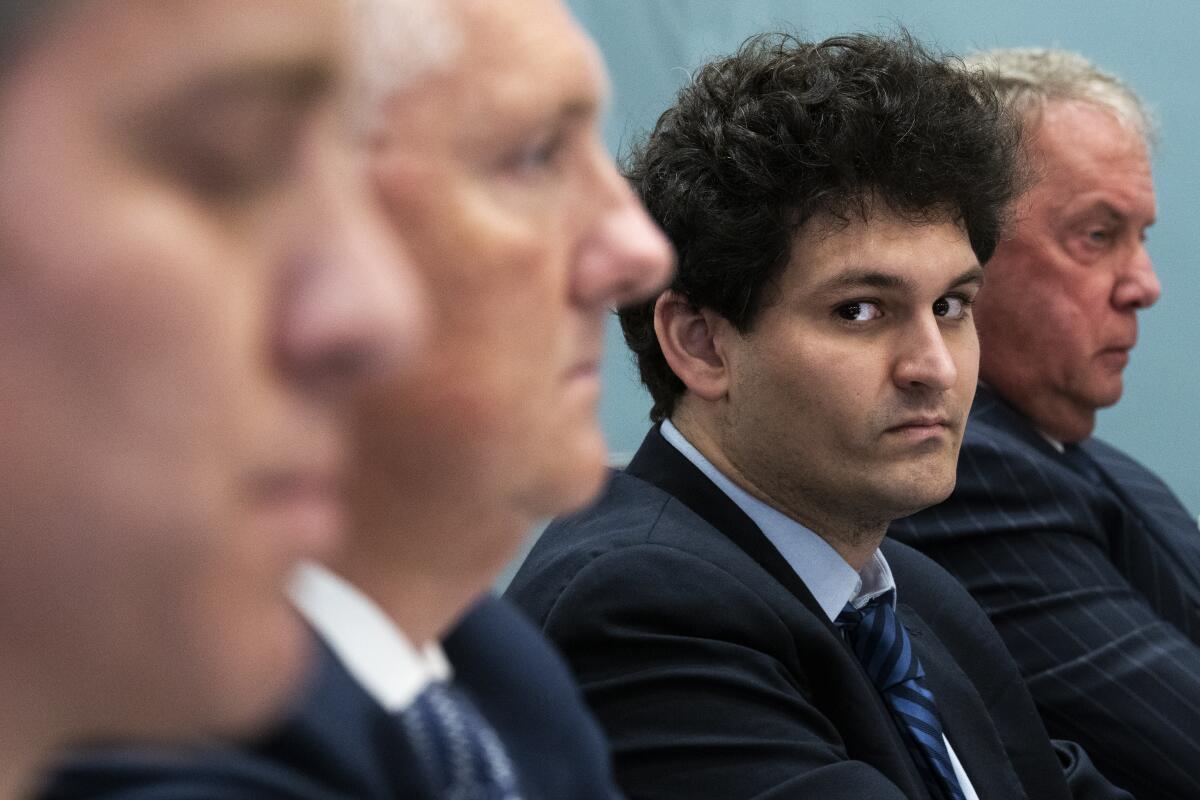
<point>785,130</point>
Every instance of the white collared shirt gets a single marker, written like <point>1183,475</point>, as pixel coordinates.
<point>832,581</point>
<point>370,646</point>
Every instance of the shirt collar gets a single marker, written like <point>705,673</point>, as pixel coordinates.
<point>1055,443</point>
<point>832,581</point>
<point>374,651</point>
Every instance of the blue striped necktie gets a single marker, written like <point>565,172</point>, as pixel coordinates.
<point>885,651</point>
<point>462,756</point>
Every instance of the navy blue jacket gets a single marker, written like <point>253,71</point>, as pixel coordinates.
<point>1091,573</point>
<point>717,676</point>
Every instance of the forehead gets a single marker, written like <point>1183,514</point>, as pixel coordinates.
<point>1078,146</point>
<point>830,254</point>
<point>519,58</point>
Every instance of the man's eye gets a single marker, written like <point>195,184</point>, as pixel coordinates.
<point>951,307</point>
<point>859,311</point>
<point>537,156</point>
<point>218,175</point>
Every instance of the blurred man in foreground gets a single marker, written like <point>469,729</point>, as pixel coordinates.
<point>1087,563</point>
<point>190,286</point>
<point>481,122</point>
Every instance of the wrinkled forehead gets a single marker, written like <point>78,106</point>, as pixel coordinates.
<point>527,54</point>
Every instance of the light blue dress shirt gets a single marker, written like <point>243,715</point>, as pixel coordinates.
<point>826,574</point>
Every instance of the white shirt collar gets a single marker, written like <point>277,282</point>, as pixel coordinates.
<point>832,581</point>
<point>373,650</point>
<point>1055,443</point>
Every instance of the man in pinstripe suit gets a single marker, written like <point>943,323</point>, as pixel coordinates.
<point>1086,562</point>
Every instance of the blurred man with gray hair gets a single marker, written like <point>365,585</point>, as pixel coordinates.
<point>481,125</point>
<point>1086,562</point>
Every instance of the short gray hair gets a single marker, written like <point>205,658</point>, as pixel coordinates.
<point>395,42</point>
<point>1027,78</point>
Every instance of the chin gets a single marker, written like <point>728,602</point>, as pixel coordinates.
<point>921,490</point>
<point>258,677</point>
<point>573,478</point>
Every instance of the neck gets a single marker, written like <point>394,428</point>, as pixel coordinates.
<point>1055,414</point>
<point>852,536</point>
<point>425,573</point>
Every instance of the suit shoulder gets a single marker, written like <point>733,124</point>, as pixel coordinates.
<point>665,569</point>
<point>632,521</point>
<point>1113,459</point>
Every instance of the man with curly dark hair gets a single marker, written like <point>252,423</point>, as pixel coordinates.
<point>736,619</point>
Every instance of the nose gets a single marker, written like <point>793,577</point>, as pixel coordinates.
<point>352,308</point>
<point>925,359</point>
<point>625,257</point>
<point>1137,286</point>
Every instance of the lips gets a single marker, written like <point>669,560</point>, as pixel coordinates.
<point>302,507</point>
<point>931,421</point>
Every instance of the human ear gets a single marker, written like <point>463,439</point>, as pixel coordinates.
<point>690,339</point>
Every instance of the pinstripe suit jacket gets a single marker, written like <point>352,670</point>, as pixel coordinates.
<point>717,675</point>
<point>1092,575</point>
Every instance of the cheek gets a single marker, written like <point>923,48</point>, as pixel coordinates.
<point>964,349</point>
<point>127,352</point>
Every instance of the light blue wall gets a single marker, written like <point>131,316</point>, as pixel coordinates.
<point>652,45</point>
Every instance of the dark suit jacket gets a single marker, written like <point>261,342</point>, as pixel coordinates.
<point>1094,583</point>
<point>717,675</point>
<point>342,744</point>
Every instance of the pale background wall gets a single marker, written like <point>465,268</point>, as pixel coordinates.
<point>652,45</point>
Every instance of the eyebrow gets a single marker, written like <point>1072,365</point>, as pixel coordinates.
<point>1113,212</point>
<point>297,83</point>
<point>876,279</point>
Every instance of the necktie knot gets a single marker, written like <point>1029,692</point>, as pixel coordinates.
<point>880,642</point>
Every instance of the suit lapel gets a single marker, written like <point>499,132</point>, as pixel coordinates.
<point>965,719</point>
<point>341,737</point>
<point>1153,505</point>
<point>658,463</point>
<point>1157,543</point>
<point>989,408</point>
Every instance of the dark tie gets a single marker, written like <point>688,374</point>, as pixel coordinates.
<point>1082,463</point>
<point>462,756</point>
<point>885,651</point>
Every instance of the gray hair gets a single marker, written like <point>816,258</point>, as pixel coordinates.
<point>395,42</point>
<point>1027,78</point>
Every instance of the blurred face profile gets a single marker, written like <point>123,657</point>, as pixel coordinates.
<point>493,171</point>
<point>190,283</point>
